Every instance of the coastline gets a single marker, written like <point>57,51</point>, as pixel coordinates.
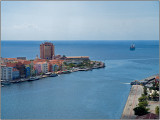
<point>132,101</point>
<point>3,83</point>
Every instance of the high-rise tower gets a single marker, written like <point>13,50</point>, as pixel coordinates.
<point>46,50</point>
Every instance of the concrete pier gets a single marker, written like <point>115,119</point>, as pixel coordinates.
<point>135,92</point>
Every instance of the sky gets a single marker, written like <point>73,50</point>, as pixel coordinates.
<point>80,20</point>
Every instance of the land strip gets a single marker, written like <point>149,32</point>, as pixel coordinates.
<point>135,92</point>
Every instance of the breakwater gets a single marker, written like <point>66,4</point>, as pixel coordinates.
<point>132,101</point>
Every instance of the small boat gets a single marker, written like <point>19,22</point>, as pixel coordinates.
<point>132,47</point>
<point>5,83</point>
<point>53,75</point>
<point>37,78</point>
<point>82,69</point>
<point>66,72</point>
<point>44,76</point>
<point>32,79</point>
<point>18,81</point>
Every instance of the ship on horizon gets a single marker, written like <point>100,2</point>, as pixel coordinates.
<point>132,47</point>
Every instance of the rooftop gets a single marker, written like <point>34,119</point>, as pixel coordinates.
<point>78,57</point>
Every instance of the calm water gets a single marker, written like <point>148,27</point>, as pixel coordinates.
<point>97,94</point>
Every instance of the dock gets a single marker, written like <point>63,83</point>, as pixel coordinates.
<point>149,78</point>
<point>135,92</point>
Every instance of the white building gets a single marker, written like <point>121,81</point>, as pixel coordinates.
<point>6,73</point>
<point>44,66</point>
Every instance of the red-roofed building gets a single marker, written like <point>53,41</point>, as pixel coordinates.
<point>55,64</point>
<point>21,68</point>
<point>157,79</point>
<point>15,74</point>
<point>26,62</point>
<point>8,64</point>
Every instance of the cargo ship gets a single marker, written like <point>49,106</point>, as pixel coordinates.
<point>132,47</point>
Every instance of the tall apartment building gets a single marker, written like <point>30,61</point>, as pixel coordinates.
<point>47,50</point>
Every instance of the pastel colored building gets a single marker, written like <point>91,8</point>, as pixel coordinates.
<point>44,67</point>
<point>21,68</point>
<point>6,73</point>
<point>56,64</point>
<point>38,68</point>
<point>27,70</point>
<point>15,74</point>
<point>55,68</point>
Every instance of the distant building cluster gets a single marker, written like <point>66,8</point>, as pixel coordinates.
<point>20,67</point>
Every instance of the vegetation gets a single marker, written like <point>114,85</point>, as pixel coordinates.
<point>142,98</point>
<point>145,90</point>
<point>41,73</point>
<point>157,110</point>
<point>155,96</point>
<point>71,65</point>
<point>141,110</point>
<point>155,86</point>
<point>84,64</point>
<point>144,103</point>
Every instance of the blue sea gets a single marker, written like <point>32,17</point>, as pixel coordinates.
<point>97,94</point>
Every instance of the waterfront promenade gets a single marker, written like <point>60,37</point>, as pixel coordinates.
<point>135,92</point>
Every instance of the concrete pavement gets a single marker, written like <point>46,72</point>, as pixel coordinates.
<point>132,101</point>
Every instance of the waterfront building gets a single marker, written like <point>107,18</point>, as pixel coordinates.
<point>32,68</point>
<point>44,67</point>
<point>47,51</point>
<point>49,67</point>
<point>41,67</point>
<point>15,74</point>
<point>21,68</point>
<point>58,64</point>
<point>22,58</point>
<point>55,68</point>
<point>6,72</point>
<point>38,68</point>
<point>27,70</point>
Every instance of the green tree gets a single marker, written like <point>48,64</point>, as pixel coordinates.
<point>145,90</point>
<point>144,103</point>
<point>140,110</point>
<point>157,110</point>
<point>142,98</point>
<point>71,65</point>
<point>65,63</point>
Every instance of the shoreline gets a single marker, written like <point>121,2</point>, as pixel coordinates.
<point>136,91</point>
<point>4,83</point>
<point>132,101</point>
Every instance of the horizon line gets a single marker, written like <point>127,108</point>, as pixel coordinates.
<point>78,40</point>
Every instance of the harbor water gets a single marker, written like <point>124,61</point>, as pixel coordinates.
<point>97,94</point>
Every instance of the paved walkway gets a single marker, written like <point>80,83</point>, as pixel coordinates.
<point>135,92</point>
